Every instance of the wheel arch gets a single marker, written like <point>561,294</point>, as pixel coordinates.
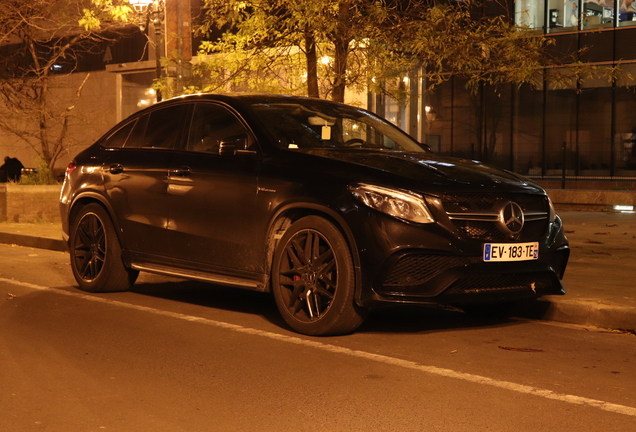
<point>86,198</point>
<point>289,214</point>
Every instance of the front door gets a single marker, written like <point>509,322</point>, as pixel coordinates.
<point>213,198</point>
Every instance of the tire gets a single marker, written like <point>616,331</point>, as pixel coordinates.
<point>96,253</point>
<point>313,280</point>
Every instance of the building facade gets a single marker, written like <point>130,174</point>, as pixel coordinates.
<point>577,136</point>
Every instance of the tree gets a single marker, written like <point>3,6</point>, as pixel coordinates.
<point>46,38</point>
<point>284,46</point>
<point>322,47</point>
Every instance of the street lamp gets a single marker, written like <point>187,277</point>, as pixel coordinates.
<point>152,11</point>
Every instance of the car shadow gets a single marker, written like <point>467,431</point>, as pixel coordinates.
<point>397,319</point>
<point>213,296</point>
<point>427,319</point>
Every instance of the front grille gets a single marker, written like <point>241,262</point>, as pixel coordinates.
<point>416,269</point>
<point>489,231</point>
<point>476,216</point>
<point>453,278</point>
<point>483,203</point>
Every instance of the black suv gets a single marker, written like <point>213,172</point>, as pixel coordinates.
<point>329,207</point>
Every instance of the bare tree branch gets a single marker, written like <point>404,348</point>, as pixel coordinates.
<point>39,36</point>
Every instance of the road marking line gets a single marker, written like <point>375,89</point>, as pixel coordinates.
<point>448,373</point>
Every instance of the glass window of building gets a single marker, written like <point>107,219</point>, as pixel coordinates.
<point>598,13</point>
<point>627,12</point>
<point>594,142</point>
<point>530,13</point>
<point>563,15</point>
<point>528,131</point>
<point>571,15</point>
<point>625,124</point>
<point>561,126</point>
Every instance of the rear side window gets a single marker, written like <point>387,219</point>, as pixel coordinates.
<point>118,138</point>
<point>161,128</point>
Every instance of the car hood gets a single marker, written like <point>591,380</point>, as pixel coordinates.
<point>434,171</point>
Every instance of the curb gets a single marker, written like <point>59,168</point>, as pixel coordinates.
<point>584,312</point>
<point>35,242</point>
<point>581,312</point>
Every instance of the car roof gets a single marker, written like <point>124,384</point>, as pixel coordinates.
<point>249,98</point>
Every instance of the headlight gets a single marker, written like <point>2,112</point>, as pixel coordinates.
<point>398,203</point>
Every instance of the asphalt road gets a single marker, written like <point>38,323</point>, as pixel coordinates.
<point>183,356</point>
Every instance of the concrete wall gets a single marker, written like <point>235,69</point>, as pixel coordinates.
<point>29,204</point>
<point>93,114</point>
<point>617,184</point>
<point>593,200</point>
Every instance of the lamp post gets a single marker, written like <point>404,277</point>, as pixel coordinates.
<point>152,11</point>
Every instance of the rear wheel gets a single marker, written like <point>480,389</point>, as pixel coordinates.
<point>313,280</point>
<point>96,253</point>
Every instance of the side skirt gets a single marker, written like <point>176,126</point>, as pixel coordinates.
<point>200,276</point>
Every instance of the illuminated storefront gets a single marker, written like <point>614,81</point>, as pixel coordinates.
<point>568,15</point>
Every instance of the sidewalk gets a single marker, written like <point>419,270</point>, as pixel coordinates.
<point>600,278</point>
<point>45,235</point>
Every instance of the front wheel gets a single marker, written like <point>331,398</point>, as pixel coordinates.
<point>313,280</point>
<point>96,253</point>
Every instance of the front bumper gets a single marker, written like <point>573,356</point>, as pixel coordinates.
<point>433,264</point>
<point>416,277</point>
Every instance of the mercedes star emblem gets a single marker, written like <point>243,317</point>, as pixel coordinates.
<point>511,218</point>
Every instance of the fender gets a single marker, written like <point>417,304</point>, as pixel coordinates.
<point>335,218</point>
<point>93,196</point>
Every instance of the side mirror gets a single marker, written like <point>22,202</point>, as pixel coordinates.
<point>230,145</point>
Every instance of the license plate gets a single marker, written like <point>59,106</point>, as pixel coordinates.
<point>511,251</point>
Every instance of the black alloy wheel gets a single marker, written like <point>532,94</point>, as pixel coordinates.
<point>313,280</point>
<point>96,253</point>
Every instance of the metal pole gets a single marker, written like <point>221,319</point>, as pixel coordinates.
<point>565,162</point>
<point>158,18</point>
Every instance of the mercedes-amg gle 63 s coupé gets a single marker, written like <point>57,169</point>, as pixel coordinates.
<point>332,209</point>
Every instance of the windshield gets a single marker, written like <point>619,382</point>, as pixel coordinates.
<point>316,124</point>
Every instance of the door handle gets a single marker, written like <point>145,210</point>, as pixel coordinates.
<point>116,169</point>
<point>180,172</point>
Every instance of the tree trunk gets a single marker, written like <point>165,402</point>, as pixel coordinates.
<point>341,39</point>
<point>312,65</point>
<point>340,70</point>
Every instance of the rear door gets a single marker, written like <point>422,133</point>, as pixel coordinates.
<point>136,178</point>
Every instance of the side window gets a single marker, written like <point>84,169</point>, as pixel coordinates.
<point>210,125</point>
<point>118,138</point>
<point>163,128</point>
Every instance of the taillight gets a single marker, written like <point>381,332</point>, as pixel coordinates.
<point>70,168</point>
